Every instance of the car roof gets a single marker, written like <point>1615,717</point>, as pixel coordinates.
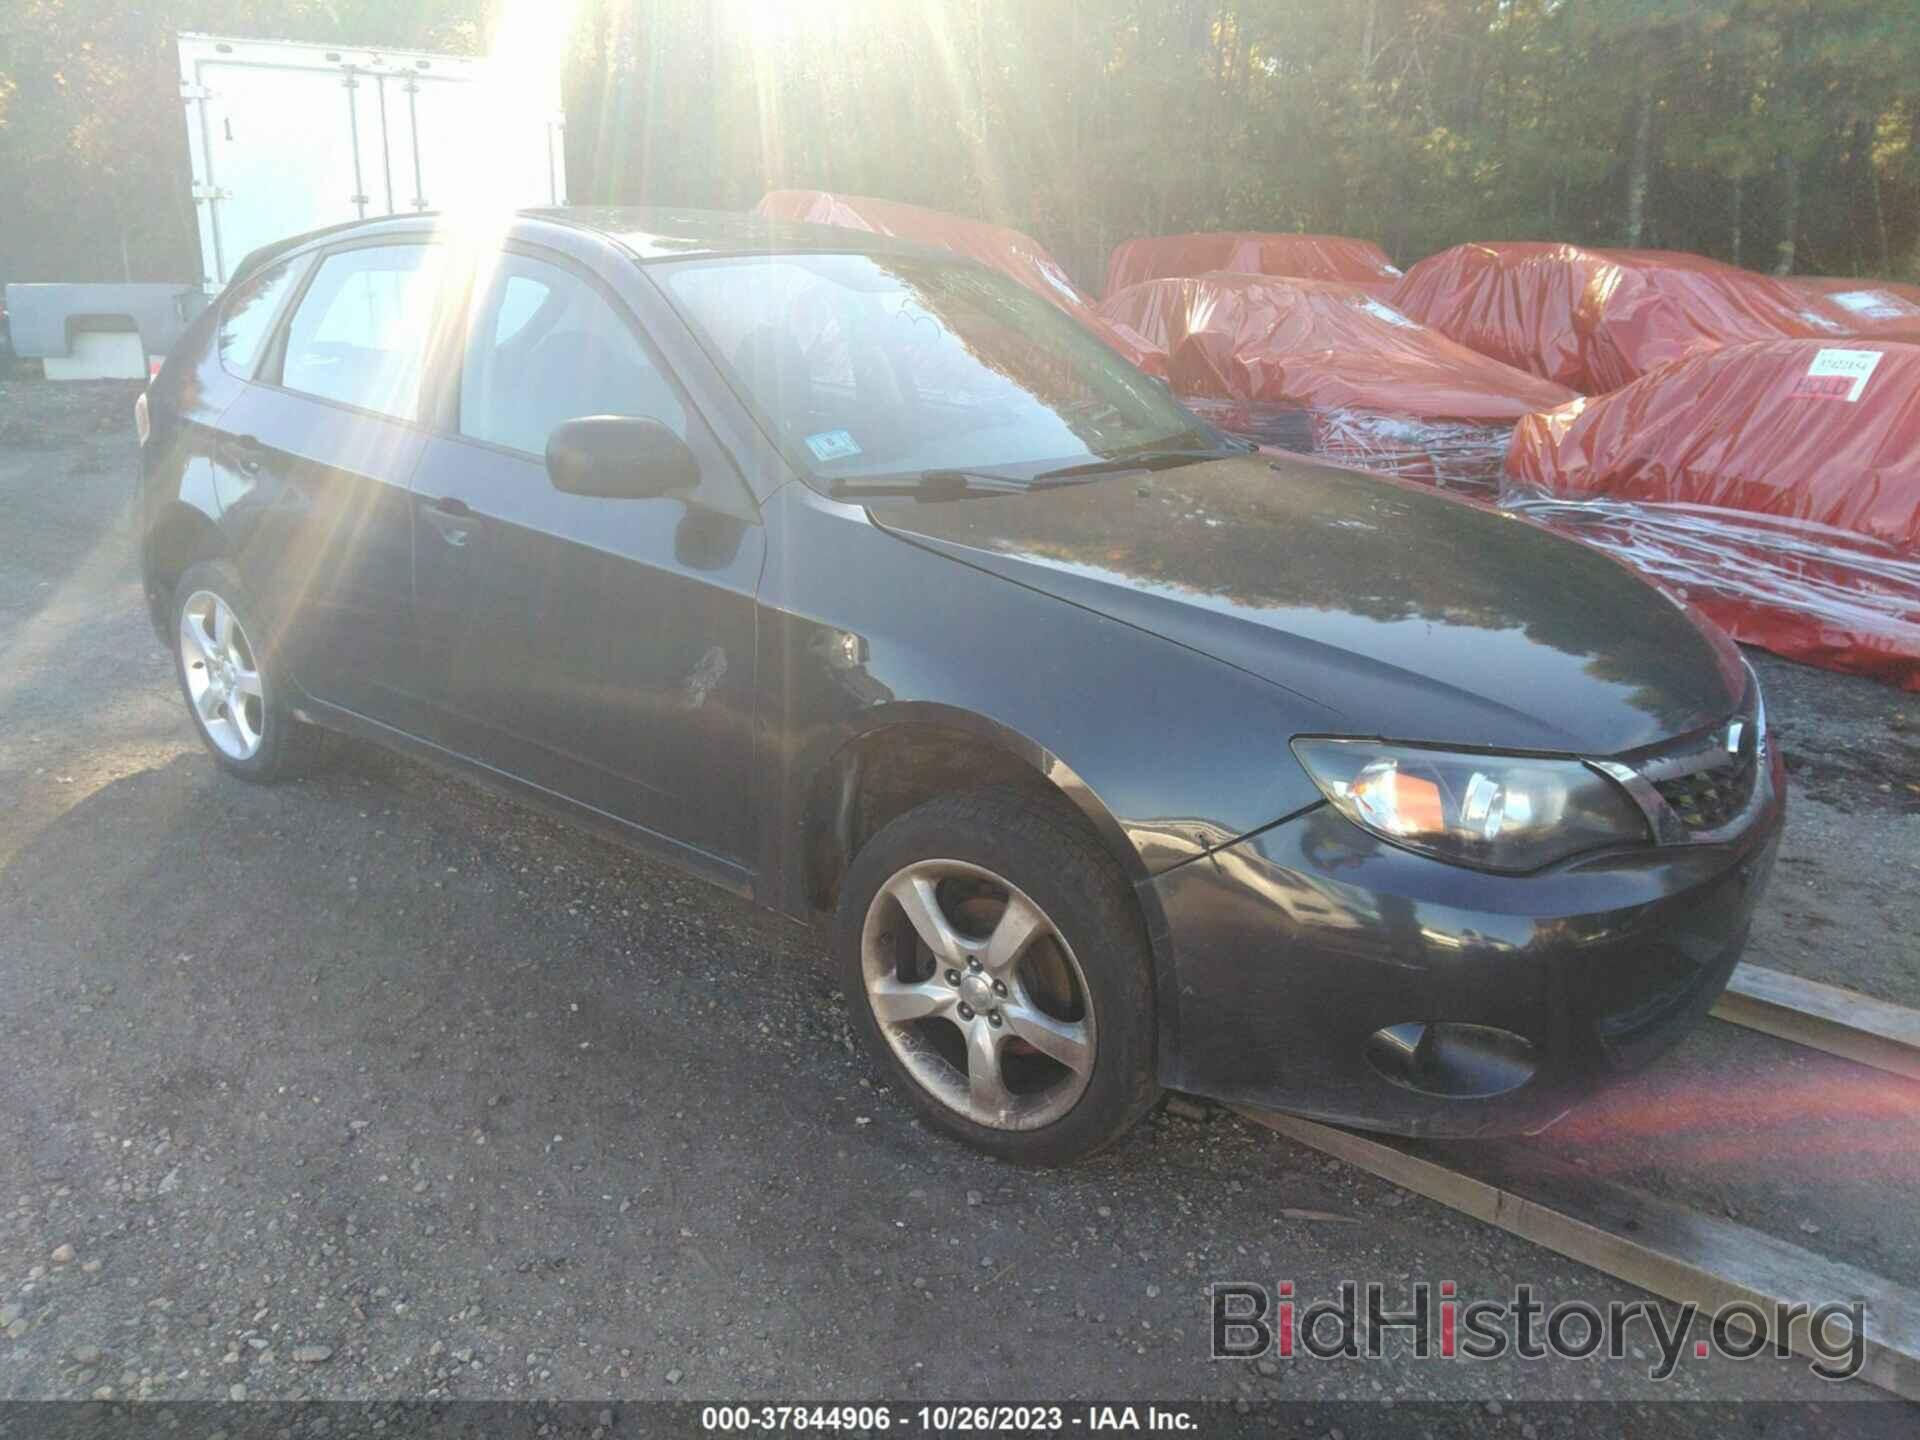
<point>675,234</point>
<point>647,233</point>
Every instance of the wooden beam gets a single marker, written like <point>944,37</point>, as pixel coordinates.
<point>1655,1244</point>
<point>1824,1017</point>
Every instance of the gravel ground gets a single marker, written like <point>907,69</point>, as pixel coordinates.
<point>380,1086</point>
<point>1844,906</point>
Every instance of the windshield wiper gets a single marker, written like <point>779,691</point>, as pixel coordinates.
<point>949,484</point>
<point>934,485</point>
<point>1136,460</point>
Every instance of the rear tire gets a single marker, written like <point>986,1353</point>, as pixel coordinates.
<point>993,955</point>
<point>234,693</point>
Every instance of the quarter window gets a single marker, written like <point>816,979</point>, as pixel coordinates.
<point>360,334</point>
<point>544,346</point>
<point>247,314</point>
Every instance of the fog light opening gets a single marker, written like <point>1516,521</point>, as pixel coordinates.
<point>1452,1061</point>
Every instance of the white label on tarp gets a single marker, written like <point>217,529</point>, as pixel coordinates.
<point>1838,374</point>
<point>1873,304</point>
<point>1821,322</point>
<point>1388,314</point>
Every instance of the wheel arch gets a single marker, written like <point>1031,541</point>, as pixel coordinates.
<point>904,755</point>
<point>917,752</point>
<point>181,535</point>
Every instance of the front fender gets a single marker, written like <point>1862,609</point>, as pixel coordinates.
<point>1168,752</point>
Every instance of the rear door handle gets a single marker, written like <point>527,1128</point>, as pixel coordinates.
<point>452,517</point>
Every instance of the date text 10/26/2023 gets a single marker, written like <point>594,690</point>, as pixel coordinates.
<point>947,1419</point>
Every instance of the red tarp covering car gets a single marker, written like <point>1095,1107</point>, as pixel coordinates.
<point>1321,365</point>
<point>1872,307</point>
<point>1006,250</point>
<point>1600,319</point>
<point>1775,483</point>
<point>1252,252</point>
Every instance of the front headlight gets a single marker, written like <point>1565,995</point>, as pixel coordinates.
<point>1494,812</point>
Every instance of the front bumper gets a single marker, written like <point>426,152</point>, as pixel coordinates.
<point>1305,954</point>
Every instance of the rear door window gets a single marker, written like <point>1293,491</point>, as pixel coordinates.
<point>361,333</point>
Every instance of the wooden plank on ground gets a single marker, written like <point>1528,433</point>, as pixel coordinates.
<point>1824,1017</point>
<point>1660,1246</point>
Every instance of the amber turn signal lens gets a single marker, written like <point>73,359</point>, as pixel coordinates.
<point>1402,803</point>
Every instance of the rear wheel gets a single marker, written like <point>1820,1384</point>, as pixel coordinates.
<point>235,700</point>
<point>996,960</point>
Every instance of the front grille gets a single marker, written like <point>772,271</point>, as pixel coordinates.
<point>1709,799</point>
<point>1705,784</point>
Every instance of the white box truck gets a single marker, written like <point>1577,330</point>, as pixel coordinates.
<point>284,138</point>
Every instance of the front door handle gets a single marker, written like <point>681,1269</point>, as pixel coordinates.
<point>244,453</point>
<point>453,518</point>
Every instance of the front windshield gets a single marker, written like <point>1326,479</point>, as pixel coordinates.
<point>879,365</point>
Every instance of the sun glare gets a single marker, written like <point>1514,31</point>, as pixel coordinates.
<point>516,94</point>
<point>775,18</point>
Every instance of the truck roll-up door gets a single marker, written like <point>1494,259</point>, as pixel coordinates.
<point>286,138</point>
<point>432,126</point>
<point>284,157</point>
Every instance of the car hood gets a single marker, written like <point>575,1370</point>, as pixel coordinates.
<point>1413,615</point>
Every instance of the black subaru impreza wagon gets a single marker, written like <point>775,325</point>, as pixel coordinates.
<point>859,580</point>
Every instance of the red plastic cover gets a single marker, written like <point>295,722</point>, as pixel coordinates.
<point>1775,483</point>
<point>1873,307</point>
<point>1323,365</point>
<point>1319,343</point>
<point>1252,252</point>
<point>1600,319</point>
<point>1006,250</point>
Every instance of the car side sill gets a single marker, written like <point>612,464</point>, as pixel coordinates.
<point>697,862</point>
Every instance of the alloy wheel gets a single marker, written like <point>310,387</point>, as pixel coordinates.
<point>223,675</point>
<point>978,994</point>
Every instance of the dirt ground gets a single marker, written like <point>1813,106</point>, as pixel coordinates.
<point>377,1085</point>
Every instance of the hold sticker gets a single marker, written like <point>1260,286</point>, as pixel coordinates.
<point>1838,375</point>
<point>832,445</point>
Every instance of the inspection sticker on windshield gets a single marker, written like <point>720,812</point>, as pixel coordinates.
<point>1838,375</point>
<point>833,445</point>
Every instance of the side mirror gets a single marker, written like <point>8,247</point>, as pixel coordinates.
<point>619,457</point>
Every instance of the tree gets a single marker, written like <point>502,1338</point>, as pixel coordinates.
<point>1780,131</point>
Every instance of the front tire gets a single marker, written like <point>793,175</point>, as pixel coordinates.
<point>994,958</point>
<point>233,690</point>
